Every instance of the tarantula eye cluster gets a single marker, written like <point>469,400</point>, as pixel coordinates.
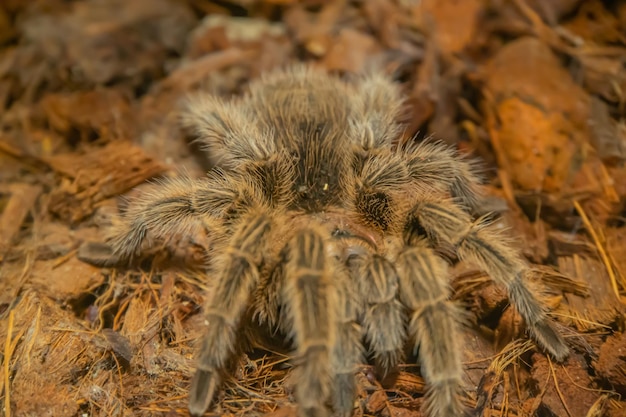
<point>328,229</point>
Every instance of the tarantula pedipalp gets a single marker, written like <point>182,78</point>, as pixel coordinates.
<point>327,228</point>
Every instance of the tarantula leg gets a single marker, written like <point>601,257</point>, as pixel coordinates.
<point>226,128</point>
<point>434,324</point>
<point>237,279</point>
<point>437,164</point>
<point>170,208</point>
<point>309,298</point>
<point>379,103</point>
<point>348,350</point>
<point>482,245</point>
<point>384,318</point>
<point>268,297</point>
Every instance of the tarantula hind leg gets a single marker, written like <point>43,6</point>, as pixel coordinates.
<point>480,243</point>
<point>237,278</point>
<point>98,254</point>
<point>384,317</point>
<point>434,322</point>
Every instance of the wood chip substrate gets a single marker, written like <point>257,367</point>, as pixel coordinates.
<point>90,100</point>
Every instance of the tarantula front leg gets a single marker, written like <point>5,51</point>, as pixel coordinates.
<point>348,349</point>
<point>309,297</point>
<point>174,206</point>
<point>481,244</point>
<point>238,275</point>
<point>434,324</point>
<point>382,177</point>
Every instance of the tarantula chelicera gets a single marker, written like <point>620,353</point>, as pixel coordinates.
<point>328,228</point>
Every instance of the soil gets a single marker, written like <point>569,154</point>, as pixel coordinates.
<point>90,93</point>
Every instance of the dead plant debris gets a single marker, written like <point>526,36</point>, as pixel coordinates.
<point>89,99</point>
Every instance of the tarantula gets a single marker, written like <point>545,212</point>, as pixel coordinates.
<point>326,227</point>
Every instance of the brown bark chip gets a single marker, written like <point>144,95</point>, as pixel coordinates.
<point>542,114</point>
<point>611,362</point>
<point>453,23</point>
<point>22,198</point>
<point>599,308</point>
<point>104,114</point>
<point>98,174</point>
<point>565,387</point>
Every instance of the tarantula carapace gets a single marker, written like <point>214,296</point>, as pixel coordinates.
<point>326,227</point>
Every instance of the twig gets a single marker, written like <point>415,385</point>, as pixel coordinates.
<point>195,71</point>
<point>598,242</point>
<point>7,360</point>
<point>556,387</point>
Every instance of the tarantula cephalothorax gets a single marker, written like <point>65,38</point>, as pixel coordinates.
<point>324,226</point>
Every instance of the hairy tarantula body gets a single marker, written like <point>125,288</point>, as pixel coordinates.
<point>329,229</point>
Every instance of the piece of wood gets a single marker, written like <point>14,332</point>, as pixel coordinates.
<point>21,202</point>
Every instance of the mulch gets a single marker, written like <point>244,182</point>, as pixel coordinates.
<point>89,100</point>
